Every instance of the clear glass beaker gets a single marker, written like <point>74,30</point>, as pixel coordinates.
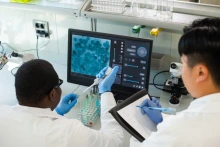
<point>135,7</point>
<point>170,4</point>
<point>151,8</point>
<point>165,9</point>
<point>162,9</point>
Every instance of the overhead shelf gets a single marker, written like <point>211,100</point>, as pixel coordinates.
<point>178,21</point>
<point>184,14</point>
<point>46,6</point>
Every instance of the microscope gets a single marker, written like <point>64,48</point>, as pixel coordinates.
<point>175,84</point>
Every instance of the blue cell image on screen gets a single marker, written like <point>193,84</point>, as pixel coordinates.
<point>89,54</point>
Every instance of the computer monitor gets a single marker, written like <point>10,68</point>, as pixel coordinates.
<point>89,52</point>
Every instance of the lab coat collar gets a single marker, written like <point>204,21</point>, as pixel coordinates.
<point>206,104</point>
<point>40,112</point>
<point>206,99</point>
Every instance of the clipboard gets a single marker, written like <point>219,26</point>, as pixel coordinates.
<point>132,99</point>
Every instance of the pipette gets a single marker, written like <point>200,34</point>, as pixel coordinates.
<point>98,80</point>
<point>171,110</point>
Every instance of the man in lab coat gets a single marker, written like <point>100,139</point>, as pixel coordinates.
<point>33,123</point>
<point>197,126</point>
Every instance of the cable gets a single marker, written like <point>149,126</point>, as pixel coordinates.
<point>10,47</point>
<point>156,76</point>
<point>27,49</point>
<point>156,84</point>
<point>37,48</point>
<point>3,49</point>
<point>12,71</point>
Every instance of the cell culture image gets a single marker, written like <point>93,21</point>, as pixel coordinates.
<point>89,54</point>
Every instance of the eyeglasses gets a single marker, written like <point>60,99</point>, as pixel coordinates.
<point>58,85</point>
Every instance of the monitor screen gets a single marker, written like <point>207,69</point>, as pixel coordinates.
<point>89,52</point>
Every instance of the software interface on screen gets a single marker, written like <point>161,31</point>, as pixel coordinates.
<point>91,54</point>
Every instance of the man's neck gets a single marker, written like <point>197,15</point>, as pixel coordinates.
<point>34,105</point>
<point>207,90</point>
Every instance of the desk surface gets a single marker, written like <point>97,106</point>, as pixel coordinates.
<point>8,93</point>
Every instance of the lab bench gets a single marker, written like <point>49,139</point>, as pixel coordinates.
<point>8,93</point>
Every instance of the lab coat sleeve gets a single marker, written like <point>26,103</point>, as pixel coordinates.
<point>135,143</point>
<point>109,125</point>
<point>166,135</point>
<point>110,134</point>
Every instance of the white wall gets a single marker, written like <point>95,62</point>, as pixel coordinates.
<point>16,29</point>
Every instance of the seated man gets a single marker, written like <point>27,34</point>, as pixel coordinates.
<point>197,126</point>
<point>33,123</point>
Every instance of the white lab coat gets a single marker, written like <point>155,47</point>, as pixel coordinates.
<point>197,126</point>
<point>22,126</point>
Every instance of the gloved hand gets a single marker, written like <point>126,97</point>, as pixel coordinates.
<point>106,84</point>
<point>154,115</point>
<point>66,103</point>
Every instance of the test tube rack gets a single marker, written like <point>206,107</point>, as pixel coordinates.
<point>90,109</point>
<point>108,6</point>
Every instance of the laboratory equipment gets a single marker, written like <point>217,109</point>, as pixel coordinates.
<point>175,69</point>
<point>165,9</point>
<point>151,8</point>
<point>169,10</point>
<point>137,28</point>
<point>108,6</point>
<point>155,31</point>
<point>175,78</point>
<point>175,84</point>
<point>98,80</point>
<point>135,8</point>
<point>89,52</point>
<point>175,100</point>
<point>160,9</point>
<point>90,107</point>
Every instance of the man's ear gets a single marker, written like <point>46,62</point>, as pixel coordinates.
<point>52,95</point>
<point>202,73</point>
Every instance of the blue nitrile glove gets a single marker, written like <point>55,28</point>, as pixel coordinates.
<point>106,84</point>
<point>154,115</point>
<point>66,103</point>
<point>102,72</point>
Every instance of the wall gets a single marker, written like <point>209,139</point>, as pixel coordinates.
<point>17,30</point>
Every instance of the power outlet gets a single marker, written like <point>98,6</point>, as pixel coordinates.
<point>41,28</point>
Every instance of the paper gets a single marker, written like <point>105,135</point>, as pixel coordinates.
<point>133,116</point>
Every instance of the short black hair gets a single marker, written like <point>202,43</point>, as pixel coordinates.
<point>34,80</point>
<point>201,44</point>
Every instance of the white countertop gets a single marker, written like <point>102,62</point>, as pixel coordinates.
<point>8,92</point>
